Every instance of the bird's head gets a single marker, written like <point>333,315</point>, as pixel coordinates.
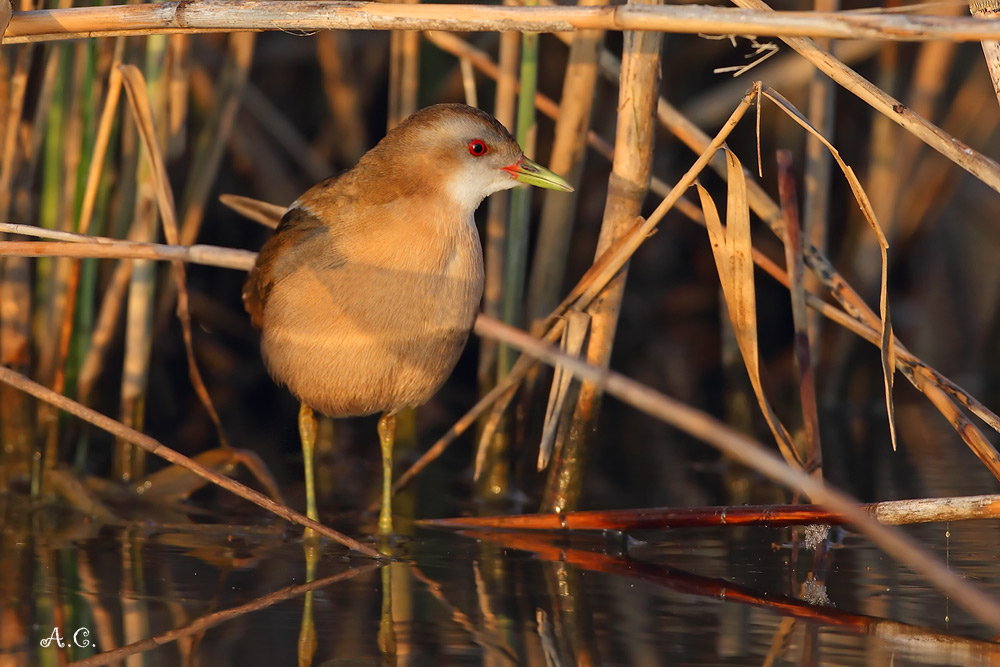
<point>464,153</point>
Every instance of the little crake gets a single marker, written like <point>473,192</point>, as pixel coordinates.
<point>367,292</point>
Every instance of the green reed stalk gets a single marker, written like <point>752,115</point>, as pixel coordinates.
<point>516,254</point>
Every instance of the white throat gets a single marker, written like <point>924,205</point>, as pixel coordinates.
<point>468,190</point>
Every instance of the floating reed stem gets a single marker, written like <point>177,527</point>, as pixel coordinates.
<point>888,513</point>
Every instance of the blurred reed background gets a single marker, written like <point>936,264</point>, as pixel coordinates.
<point>892,221</point>
<point>267,115</point>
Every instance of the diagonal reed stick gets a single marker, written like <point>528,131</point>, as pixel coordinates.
<point>153,446</point>
<point>750,452</point>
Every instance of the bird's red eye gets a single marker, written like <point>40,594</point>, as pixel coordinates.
<point>478,148</point>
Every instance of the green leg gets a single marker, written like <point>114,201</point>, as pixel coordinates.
<point>307,433</point>
<point>386,435</point>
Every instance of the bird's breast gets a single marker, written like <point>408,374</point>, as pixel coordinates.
<point>380,329</point>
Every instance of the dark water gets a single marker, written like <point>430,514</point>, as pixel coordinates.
<point>729,596</point>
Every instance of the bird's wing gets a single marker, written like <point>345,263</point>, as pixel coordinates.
<point>298,228</point>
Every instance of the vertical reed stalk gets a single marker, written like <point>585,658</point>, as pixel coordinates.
<point>811,453</point>
<point>65,283</point>
<point>497,207</point>
<point>493,483</point>
<point>818,168</point>
<point>56,112</point>
<point>516,251</point>
<point>83,277</point>
<point>50,115</point>
<point>129,462</point>
<point>177,94</point>
<point>16,422</point>
<point>469,82</point>
<point>404,86</point>
<point>104,329</point>
<point>630,175</point>
<point>404,70</point>
<point>342,95</point>
<point>568,152</point>
<point>496,482</point>
<point>214,135</point>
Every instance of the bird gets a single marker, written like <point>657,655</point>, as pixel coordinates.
<point>367,292</point>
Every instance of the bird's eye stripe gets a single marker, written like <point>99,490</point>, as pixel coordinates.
<point>478,148</point>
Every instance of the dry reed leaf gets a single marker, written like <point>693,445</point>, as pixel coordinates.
<point>733,254</point>
<point>79,497</point>
<point>175,483</point>
<point>987,10</point>
<point>862,319</point>
<point>985,169</point>
<point>266,214</point>
<point>887,346</point>
<point>863,322</point>
<point>991,50</point>
<point>135,88</point>
<point>573,338</point>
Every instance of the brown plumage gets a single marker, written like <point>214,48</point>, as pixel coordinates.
<point>367,291</point>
